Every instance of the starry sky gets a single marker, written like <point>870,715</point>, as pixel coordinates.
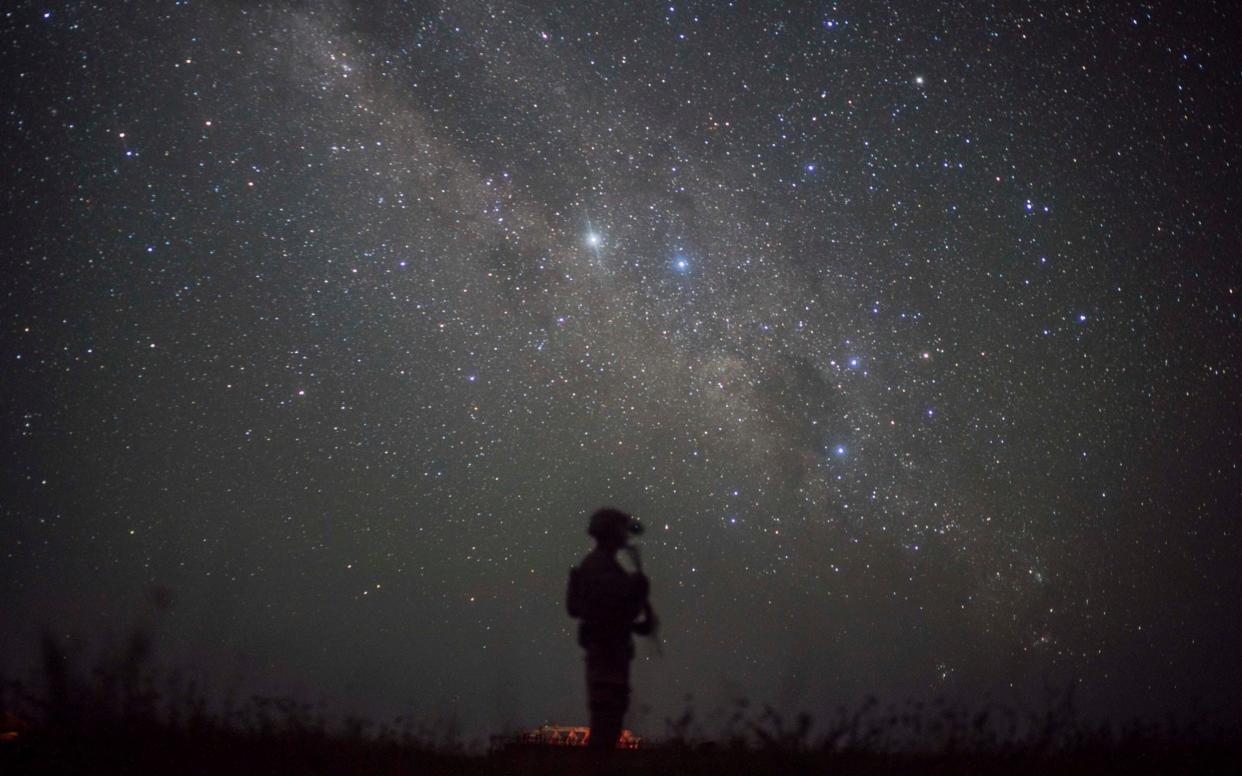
<point>910,334</point>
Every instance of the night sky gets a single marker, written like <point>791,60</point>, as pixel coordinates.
<point>912,335</point>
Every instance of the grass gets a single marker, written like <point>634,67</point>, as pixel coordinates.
<point>121,717</point>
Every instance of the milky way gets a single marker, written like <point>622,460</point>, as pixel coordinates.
<point>910,334</point>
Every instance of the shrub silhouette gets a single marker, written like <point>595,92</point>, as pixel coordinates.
<point>121,716</point>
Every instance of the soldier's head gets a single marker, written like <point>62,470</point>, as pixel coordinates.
<point>612,527</point>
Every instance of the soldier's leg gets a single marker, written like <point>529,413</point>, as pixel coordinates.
<point>608,695</point>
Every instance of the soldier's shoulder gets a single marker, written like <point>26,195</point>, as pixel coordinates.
<point>597,562</point>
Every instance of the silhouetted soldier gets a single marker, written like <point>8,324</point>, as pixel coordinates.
<point>608,599</point>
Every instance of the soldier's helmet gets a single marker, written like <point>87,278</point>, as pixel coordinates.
<point>610,522</point>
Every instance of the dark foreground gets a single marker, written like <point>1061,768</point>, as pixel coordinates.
<point>170,751</point>
<point>123,718</point>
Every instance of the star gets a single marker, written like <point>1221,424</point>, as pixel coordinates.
<point>391,333</point>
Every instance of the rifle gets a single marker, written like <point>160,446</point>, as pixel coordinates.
<point>649,615</point>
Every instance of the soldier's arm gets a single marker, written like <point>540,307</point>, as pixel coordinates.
<point>648,624</point>
<point>641,588</point>
<point>641,585</point>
